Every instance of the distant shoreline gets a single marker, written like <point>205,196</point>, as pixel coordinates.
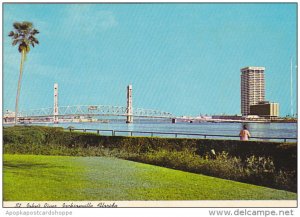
<point>191,121</point>
<point>253,121</point>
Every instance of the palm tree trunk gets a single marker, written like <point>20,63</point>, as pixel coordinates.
<point>19,86</point>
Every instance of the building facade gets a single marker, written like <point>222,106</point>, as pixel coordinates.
<point>265,109</point>
<point>252,87</point>
<point>228,117</point>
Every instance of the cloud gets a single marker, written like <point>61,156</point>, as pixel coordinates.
<point>88,19</point>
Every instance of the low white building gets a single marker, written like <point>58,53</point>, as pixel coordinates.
<point>8,116</point>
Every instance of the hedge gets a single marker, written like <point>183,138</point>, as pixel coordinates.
<point>283,154</point>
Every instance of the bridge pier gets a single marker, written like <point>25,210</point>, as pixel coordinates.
<point>55,110</point>
<point>129,105</point>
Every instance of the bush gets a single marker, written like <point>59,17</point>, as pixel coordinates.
<point>286,180</point>
<point>182,160</point>
<point>223,166</point>
<point>23,135</point>
<point>255,170</point>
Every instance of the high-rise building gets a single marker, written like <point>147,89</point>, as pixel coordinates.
<point>252,87</point>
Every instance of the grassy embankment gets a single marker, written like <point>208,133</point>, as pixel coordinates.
<point>259,163</point>
<point>47,178</point>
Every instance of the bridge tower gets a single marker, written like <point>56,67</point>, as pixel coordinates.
<point>129,105</point>
<point>55,111</point>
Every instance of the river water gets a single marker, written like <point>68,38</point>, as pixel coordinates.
<point>270,130</point>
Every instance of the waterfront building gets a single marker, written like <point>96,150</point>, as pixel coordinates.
<point>8,116</point>
<point>265,109</point>
<point>228,117</point>
<point>252,87</point>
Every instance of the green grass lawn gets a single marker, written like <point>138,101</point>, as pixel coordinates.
<point>38,178</point>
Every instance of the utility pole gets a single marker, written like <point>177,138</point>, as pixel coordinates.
<point>129,105</point>
<point>55,110</point>
<point>292,113</point>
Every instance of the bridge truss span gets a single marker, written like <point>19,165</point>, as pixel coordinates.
<point>94,110</point>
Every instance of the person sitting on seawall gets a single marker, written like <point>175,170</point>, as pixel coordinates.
<point>244,134</point>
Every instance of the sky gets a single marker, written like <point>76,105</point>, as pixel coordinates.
<point>180,58</point>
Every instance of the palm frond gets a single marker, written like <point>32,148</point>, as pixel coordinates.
<point>20,48</point>
<point>34,31</point>
<point>17,25</point>
<point>27,49</point>
<point>33,39</point>
<point>11,33</point>
<point>27,24</point>
<point>16,35</point>
<point>24,46</point>
<point>23,27</point>
<point>15,42</point>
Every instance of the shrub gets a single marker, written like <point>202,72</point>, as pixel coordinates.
<point>139,145</point>
<point>223,166</point>
<point>286,180</point>
<point>182,160</point>
<point>23,135</point>
<point>255,170</point>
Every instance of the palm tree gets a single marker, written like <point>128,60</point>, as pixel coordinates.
<point>24,36</point>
